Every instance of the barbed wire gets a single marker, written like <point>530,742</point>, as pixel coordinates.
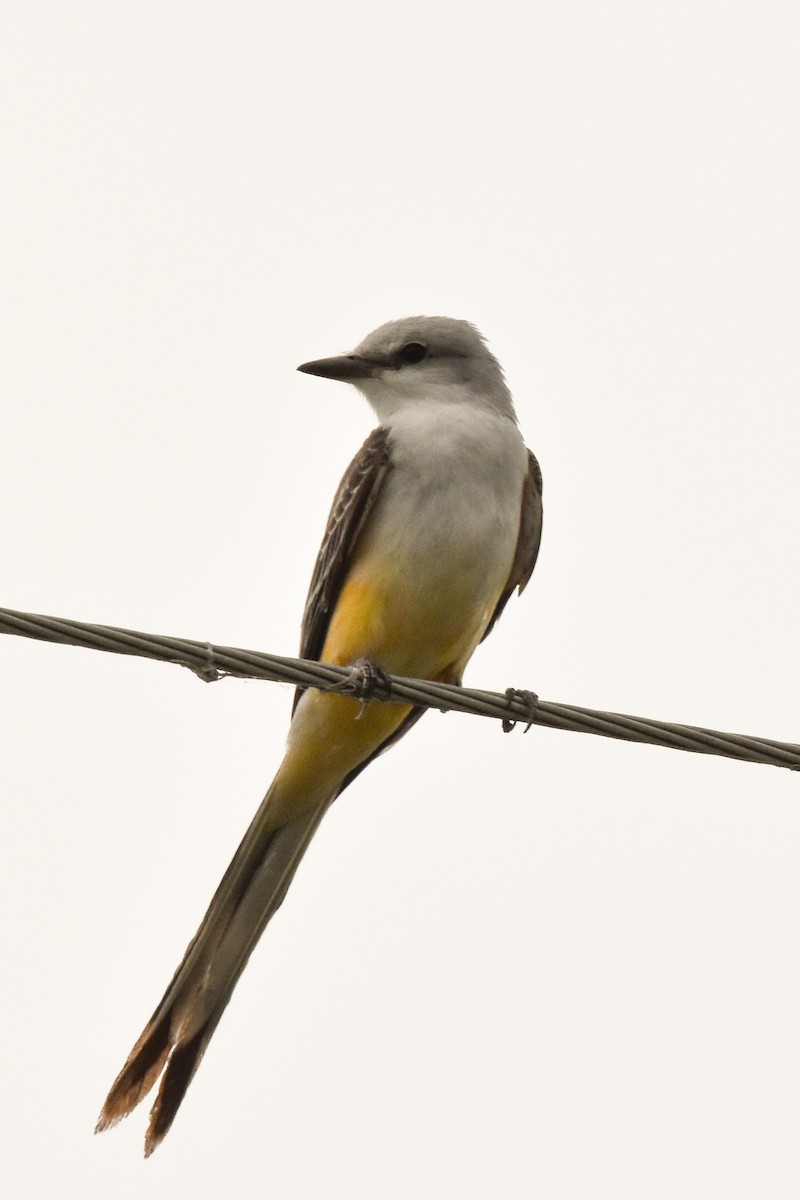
<point>211,662</point>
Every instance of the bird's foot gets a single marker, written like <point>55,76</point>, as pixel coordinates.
<point>530,700</point>
<point>364,680</point>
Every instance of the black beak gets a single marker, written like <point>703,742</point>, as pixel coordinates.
<point>347,367</point>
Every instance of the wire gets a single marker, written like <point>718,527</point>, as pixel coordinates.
<point>211,662</point>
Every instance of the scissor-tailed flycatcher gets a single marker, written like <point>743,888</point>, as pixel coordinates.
<point>436,522</point>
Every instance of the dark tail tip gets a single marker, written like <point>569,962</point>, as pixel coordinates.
<point>181,1066</point>
<point>145,1064</point>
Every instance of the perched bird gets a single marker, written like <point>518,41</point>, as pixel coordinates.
<point>435,523</point>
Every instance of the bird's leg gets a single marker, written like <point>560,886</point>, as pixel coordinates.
<point>529,699</point>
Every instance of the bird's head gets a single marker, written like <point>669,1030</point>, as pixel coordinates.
<point>420,360</point>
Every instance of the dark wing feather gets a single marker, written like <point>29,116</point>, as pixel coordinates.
<point>352,503</point>
<point>530,535</point>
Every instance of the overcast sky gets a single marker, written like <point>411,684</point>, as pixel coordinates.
<point>547,965</point>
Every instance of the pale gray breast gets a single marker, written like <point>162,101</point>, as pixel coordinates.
<point>455,484</point>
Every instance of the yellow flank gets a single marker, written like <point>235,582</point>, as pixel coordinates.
<point>410,623</point>
<point>358,621</point>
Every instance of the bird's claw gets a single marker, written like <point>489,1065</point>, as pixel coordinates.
<point>364,680</point>
<point>529,699</point>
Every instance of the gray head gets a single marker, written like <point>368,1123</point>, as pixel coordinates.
<point>421,360</point>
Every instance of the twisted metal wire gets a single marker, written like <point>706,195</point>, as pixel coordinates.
<point>211,662</point>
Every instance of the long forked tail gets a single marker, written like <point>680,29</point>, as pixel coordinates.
<point>180,1029</point>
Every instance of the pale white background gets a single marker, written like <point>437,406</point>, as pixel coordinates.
<point>510,966</point>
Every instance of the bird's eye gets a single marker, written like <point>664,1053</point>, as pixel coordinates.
<point>413,352</point>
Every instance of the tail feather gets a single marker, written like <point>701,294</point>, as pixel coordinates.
<point>176,1037</point>
<point>183,1062</point>
<point>144,1065</point>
